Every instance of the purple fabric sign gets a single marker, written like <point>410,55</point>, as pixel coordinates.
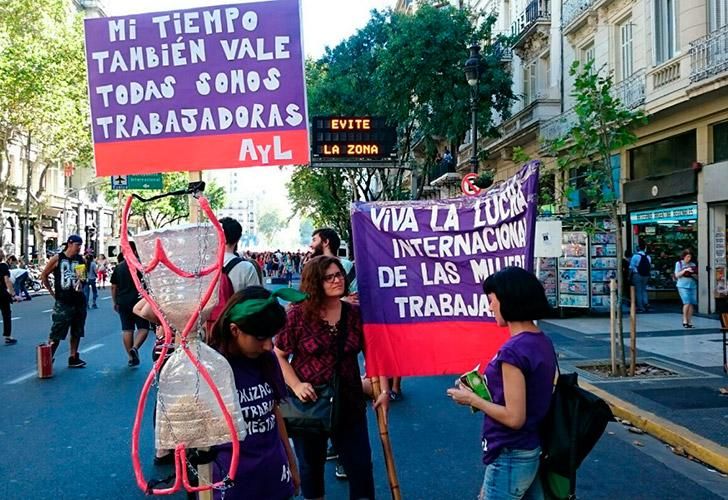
<point>442,249</point>
<point>213,72</point>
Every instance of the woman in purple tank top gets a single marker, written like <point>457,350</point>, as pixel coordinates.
<point>520,379</point>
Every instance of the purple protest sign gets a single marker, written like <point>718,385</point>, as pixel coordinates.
<point>420,269</point>
<point>211,87</point>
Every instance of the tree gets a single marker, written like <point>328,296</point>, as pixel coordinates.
<point>270,223</point>
<point>604,125</point>
<point>407,68</point>
<point>165,211</point>
<point>43,101</point>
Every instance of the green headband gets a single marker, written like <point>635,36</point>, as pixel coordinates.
<point>253,306</point>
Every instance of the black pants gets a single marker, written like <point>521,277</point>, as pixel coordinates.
<point>355,454</point>
<point>7,317</point>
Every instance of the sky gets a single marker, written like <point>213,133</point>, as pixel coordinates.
<point>325,23</point>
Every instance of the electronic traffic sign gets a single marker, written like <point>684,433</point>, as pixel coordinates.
<point>359,139</point>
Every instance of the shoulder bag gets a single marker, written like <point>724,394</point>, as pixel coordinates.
<point>318,417</point>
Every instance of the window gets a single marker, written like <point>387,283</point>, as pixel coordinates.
<point>718,15</point>
<point>665,35</point>
<point>626,54</point>
<point>586,53</point>
<point>530,71</point>
<point>720,142</point>
<point>664,157</point>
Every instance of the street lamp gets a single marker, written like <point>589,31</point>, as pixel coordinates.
<point>473,70</point>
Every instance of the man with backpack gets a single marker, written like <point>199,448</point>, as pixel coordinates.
<point>640,267</point>
<point>242,272</point>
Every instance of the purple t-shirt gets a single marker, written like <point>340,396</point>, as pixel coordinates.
<point>533,354</point>
<point>263,471</point>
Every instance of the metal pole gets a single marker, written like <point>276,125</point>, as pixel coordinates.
<point>612,317</point>
<point>474,126</point>
<point>632,333</point>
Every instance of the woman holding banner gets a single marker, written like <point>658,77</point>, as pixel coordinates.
<point>311,337</point>
<point>520,380</point>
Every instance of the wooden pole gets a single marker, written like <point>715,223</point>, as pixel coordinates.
<point>194,176</point>
<point>632,333</point>
<point>386,444</point>
<point>612,319</point>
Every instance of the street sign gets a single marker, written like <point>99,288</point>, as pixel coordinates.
<point>468,184</point>
<point>146,181</point>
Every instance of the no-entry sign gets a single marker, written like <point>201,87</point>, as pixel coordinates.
<point>468,184</point>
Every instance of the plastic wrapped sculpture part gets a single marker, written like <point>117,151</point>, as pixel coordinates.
<point>197,403</point>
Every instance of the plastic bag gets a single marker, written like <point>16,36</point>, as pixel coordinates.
<point>193,417</point>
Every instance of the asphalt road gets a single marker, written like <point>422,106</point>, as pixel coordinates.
<point>69,436</point>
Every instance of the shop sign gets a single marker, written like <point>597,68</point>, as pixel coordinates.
<point>685,212</point>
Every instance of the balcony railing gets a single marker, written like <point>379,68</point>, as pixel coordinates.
<point>709,55</point>
<point>573,9</point>
<point>558,126</point>
<point>631,91</point>
<point>536,10</point>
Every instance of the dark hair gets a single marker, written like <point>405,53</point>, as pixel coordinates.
<point>686,252</point>
<point>266,323</point>
<point>232,229</point>
<point>331,237</point>
<point>520,293</point>
<point>641,245</point>
<point>312,282</point>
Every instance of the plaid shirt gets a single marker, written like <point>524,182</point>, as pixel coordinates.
<point>314,347</point>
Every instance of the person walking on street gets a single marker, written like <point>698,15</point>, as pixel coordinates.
<point>102,270</point>
<point>69,310</point>
<point>520,378</point>
<point>640,266</point>
<point>7,294</point>
<point>89,287</point>
<point>124,296</point>
<point>686,274</point>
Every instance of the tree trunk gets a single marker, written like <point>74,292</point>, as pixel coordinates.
<point>617,222</point>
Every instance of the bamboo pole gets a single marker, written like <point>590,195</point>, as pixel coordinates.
<point>632,333</point>
<point>386,444</point>
<point>612,320</point>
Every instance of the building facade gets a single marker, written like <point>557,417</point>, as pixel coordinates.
<point>668,58</point>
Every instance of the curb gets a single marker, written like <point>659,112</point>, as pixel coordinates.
<point>675,435</point>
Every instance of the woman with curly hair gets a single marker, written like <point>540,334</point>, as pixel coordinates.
<point>311,338</point>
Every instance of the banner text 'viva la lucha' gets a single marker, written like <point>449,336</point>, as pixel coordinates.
<point>204,88</point>
<point>420,268</point>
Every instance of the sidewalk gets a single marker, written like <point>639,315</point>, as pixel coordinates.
<point>684,409</point>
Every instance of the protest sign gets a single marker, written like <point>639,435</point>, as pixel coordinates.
<point>420,267</point>
<point>194,89</point>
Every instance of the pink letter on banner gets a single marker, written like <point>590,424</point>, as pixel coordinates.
<point>196,89</point>
<point>420,267</point>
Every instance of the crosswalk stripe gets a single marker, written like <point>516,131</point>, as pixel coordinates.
<point>11,319</point>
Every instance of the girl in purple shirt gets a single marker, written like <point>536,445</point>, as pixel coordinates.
<point>243,334</point>
<point>520,378</point>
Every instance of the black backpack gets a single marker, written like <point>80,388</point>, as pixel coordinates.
<point>644,266</point>
<point>575,422</point>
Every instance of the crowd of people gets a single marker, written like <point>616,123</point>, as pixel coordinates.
<point>296,352</point>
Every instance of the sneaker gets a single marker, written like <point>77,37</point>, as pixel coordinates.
<point>331,453</point>
<point>95,306</point>
<point>10,341</point>
<point>76,362</point>
<point>134,361</point>
<point>340,472</point>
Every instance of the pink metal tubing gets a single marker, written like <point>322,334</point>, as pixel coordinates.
<point>161,256</point>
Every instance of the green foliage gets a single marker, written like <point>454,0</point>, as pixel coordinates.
<point>519,156</point>
<point>323,196</point>
<point>408,68</point>
<point>165,211</point>
<point>270,223</point>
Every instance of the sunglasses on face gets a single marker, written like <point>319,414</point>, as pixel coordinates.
<point>330,278</point>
